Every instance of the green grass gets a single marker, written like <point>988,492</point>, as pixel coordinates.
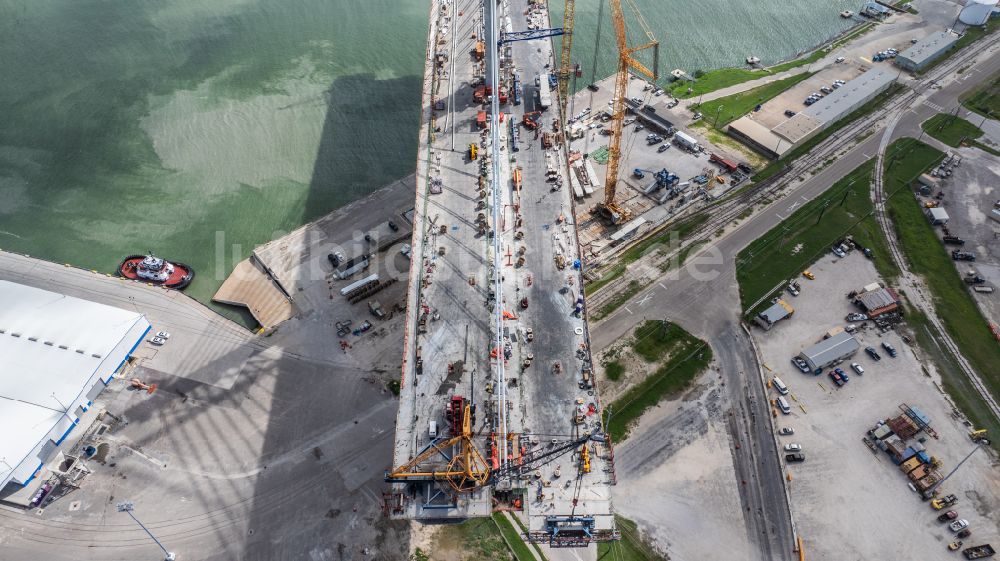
<point>688,356</point>
<point>986,100</point>
<point>794,244</point>
<point>513,537</point>
<point>720,112</point>
<point>477,538</point>
<point>774,167</point>
<point>524,530</point>
<point>630,548</point>
<point>614,370</point>
<point>950,129</point>
<point>928,258</point>
<point>669,238</point>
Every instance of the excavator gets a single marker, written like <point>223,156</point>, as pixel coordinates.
<point>531,119</point>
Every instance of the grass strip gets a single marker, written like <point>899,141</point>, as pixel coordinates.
<point>513,538</point>
<point>688,357</point>
<point>722,111</point>
<point>795,243</point>
<point>951,129</point>
<point>630,548</point>
<point>930,259</point>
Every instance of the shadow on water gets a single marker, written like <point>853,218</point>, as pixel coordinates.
<point>361,112</point>
<point>343,516</point>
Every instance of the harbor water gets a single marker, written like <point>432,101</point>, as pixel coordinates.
<point>201,128</point>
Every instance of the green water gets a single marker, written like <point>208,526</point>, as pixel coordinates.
<point>200,128</point>
<point>169,125</point>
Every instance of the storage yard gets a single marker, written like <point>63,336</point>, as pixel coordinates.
<point>845,488</point>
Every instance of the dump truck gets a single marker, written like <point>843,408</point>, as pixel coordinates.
<point>979,552</point>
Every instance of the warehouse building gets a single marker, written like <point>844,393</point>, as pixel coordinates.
<point>58,354</point>
<point>926,51</point>
<point>776,142</point>
<point>778,311</point>
<point>878,301</point>
<point>830,351</point>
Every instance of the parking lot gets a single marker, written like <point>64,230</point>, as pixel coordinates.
<point>849,502</point>
<point>970,194</point>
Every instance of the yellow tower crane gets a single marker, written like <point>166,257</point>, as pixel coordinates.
<point>610,209</point>
<point>465,467</point>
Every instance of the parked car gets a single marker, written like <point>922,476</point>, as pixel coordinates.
<point>163,335</point>
<point>851,328</point>
<point>793,447</point>
<point>157,341</point>
<point>663,148</point>
<point>789,113</point>
<point>873,353</point>
<point>792,290</point>
<point>836,379</point>
<point>795,457</point>
<point>855,316</point>
<point>786,431</point>
<point>959,525</point>
<point>857,368</point>
<point>393,226</point>
<point>963,534</point>
<point>889,349</point>
<point>839,252</point>
<point>840,59</point>
<point>840,372</point>
<point>801,364</point>
<point>336,258</point>
<point>950,515</point>
<point>809,275</point>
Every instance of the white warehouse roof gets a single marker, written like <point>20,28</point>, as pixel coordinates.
<point>56,352</point>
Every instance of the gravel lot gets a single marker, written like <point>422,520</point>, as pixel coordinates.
<point>850,503</point>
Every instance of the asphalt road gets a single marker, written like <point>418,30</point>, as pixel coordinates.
<point>703,297</point>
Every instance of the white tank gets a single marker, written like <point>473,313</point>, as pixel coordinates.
<point>976,12</point>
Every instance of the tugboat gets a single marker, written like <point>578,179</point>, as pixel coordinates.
<point>846,14</point>
<point>752,60</point>
<point>156,270</point>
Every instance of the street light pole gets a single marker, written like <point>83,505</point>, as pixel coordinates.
<point>127,506</point>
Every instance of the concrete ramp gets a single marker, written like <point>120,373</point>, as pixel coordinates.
<point>250,287</point>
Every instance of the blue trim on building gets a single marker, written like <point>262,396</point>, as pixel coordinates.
<point>65,434</point>
<point>128,354</point>
<point>33,474</point>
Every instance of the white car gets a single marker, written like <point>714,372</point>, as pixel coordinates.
<point>157,341</point>
<point>840,59</point>
<point>959,525</point>
<point>838,252</point>
<point>857,368</point>
<point>163,335</point>
<point>793,447</point>
<point>406,250</point>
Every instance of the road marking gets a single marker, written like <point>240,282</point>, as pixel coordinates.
<point>933,106</point>
<point>661,285</point>
<point>627,310</point>
<point>780,217</point>
<point>644,299</point>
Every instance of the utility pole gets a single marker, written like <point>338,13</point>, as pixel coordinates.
<point>822,211</point>
<point>717,111</point>
<point>127,506</point>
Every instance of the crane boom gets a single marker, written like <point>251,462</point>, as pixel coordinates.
<point>626,63</point>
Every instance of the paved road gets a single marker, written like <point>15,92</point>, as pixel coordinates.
<point>703,297</point>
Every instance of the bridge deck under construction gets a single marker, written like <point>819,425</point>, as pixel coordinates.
<point>495,295</point>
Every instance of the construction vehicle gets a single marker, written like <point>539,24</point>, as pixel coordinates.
<point>585,459</point>
<point>609,208</point>
<point>978,435</point>
<point>979,552</point>
<point>138,384</point>
<point>453,413</point>
<point>473,152</point>
<point>376,309</point>
<point>944,502</point>
<point>531,120</point>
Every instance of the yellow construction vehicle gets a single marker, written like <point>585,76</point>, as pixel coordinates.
<point>977,435</point>
<point>473,152</point>
<point>609,208</point>
<point>585,458</point>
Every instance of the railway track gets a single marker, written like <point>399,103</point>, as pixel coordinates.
<point>879,197</point>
